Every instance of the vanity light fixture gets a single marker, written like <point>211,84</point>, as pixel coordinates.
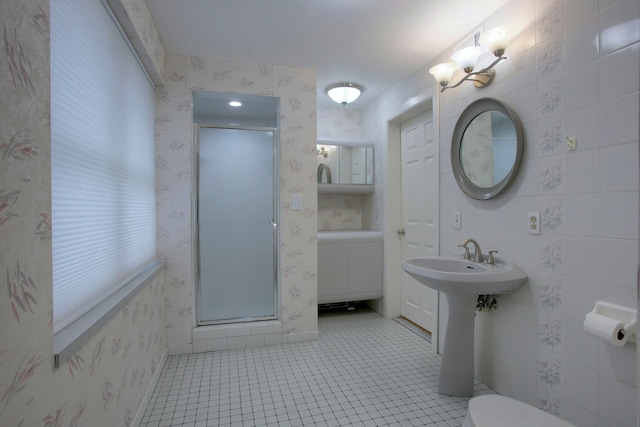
<point>344,93</point>
<point>495,40</point>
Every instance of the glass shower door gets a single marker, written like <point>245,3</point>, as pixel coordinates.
<point>237,251</point>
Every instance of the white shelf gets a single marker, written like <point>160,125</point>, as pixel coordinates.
<point>345,188</point>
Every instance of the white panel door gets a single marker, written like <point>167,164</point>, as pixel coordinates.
<point>420,194</point>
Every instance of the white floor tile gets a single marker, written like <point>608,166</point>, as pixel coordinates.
<point>364,370</point>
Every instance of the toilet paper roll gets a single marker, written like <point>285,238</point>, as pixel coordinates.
<point>605,328</point>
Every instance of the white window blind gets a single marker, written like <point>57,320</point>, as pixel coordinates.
<point>102,159</point>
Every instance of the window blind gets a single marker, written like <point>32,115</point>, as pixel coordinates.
<point>102,159</point>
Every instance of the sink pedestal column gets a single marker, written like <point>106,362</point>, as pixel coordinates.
<point>456,368</point>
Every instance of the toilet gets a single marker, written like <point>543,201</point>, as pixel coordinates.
<point>494,410</point>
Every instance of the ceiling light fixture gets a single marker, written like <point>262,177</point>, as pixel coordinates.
<point>495,40</point>
<point>344,93</point>
<point>235,104</point>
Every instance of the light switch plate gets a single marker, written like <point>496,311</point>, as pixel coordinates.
<point>296,202</point>
<point>456,221</point>
<point>533,219</point>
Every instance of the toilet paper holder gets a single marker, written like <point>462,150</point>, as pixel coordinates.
<point>626,315</point>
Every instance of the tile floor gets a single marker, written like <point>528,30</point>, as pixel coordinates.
<point>363,371</point>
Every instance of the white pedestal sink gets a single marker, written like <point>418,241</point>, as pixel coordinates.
<point>462,281</point>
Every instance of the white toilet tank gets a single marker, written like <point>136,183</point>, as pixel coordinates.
<point>494,410</point>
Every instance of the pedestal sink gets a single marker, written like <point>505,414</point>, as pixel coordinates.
<point>462,281</point>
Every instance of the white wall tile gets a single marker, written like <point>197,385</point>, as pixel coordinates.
<point>525,103</point>
<point>583,214</point>
<point>616,401</point>
<point>524,69</point>
<point>618,71</point>
<point>525,357</point>
<point>550,373</point>
<point>583,174</point>
<point>550,58</point>
<point>551,97</point>
<point>526,323</point>
<point>581,87</point>
<point>621,295</point>
<point>576,11</point>
<point>619,215</point>
<point>581,384</point>
<point>603,4</point>
<point>582,295</point>
<point>549,19</point>
<point>552,177</point>
<point>581,253</point>
<point>580,416</point>
<point>618,120</point>
<point>618,260</point>
<point>619,167</point>
<point>550,137</point>
<point>584,124</point>
<point>580,346</point>
<point>582,42</point>
<point>618,362</point>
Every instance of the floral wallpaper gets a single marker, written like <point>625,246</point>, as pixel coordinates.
<point>105,381</point>
<point>339,123</point>
<point>298,245</point>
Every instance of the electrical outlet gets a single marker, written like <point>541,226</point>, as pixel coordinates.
<point>456,221</point>
<point>572,143</point>
<point>534,222</point>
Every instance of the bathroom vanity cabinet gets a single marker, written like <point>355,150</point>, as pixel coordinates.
<point>349,266</point>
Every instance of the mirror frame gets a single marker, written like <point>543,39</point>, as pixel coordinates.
<point>472,111</point>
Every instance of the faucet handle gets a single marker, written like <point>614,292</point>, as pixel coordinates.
<point>467,255</point>
<point>490,260</point>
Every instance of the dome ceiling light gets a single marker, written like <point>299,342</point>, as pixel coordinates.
<point>344,93</point>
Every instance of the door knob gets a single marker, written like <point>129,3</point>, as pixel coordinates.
<point>401,232</point>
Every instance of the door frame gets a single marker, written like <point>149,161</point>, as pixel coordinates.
<point>195,242</point>
<point>423,299</point>
<point>392,196</point>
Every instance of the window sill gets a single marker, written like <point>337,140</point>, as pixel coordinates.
<point>71,338</point>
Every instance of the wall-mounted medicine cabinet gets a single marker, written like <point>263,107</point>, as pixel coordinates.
<point>345,166</point>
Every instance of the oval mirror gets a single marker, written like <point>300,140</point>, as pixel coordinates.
<point>486,148</point>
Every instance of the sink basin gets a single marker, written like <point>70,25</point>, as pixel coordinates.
<point>463,277</point>
<point>462,281</point>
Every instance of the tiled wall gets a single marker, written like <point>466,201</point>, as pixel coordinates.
<point>573,71</point>
<point>105,381</point>
<point>298,246</point>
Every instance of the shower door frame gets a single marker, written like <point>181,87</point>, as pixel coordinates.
<point>195,238</point>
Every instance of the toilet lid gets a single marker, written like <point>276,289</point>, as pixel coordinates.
<point>499,411</point>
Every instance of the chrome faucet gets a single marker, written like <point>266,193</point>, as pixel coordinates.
<point>477,256</point>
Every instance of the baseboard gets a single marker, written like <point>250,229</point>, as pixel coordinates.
<point>152,386</point>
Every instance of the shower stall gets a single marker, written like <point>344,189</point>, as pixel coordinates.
<point>236,209</point>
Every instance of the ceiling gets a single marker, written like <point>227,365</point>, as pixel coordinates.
<point>375,43</point>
